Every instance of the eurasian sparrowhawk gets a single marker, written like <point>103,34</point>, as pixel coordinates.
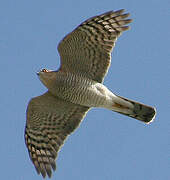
<point>76,87</point>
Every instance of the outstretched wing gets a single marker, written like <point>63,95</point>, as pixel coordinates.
<point>49,121</point>
<point>87,49</point>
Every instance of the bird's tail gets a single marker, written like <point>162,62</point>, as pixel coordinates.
<point>134,109</point>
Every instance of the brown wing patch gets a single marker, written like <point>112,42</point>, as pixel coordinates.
<point>49,121</point>
<point>87,49</point>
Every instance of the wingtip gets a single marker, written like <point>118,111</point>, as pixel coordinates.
<point>120,11</point>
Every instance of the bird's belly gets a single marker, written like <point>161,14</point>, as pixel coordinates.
<point>82,91</point>
<point>88,96</point>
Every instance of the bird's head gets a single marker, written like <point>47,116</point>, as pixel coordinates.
<point>43,71</point>
<point>46,76</point>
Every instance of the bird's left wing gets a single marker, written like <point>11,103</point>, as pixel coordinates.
<point>87,49</point>
<point>49,121</point>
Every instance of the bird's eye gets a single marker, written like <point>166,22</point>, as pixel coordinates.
<point>44,70</point>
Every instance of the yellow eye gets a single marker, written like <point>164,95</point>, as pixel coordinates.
<point>44,70</point>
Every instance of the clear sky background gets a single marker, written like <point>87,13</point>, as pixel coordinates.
<point>107,145</point>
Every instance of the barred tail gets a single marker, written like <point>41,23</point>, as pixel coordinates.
<point>134,109</point>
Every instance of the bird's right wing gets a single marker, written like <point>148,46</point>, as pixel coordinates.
<point>87,49</point>
<point>49,121</point>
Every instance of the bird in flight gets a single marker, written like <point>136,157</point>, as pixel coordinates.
<point>76,87</point>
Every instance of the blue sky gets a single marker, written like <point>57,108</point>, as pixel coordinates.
<point>107,145</point>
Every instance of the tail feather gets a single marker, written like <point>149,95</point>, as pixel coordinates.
<point>136,110</point>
